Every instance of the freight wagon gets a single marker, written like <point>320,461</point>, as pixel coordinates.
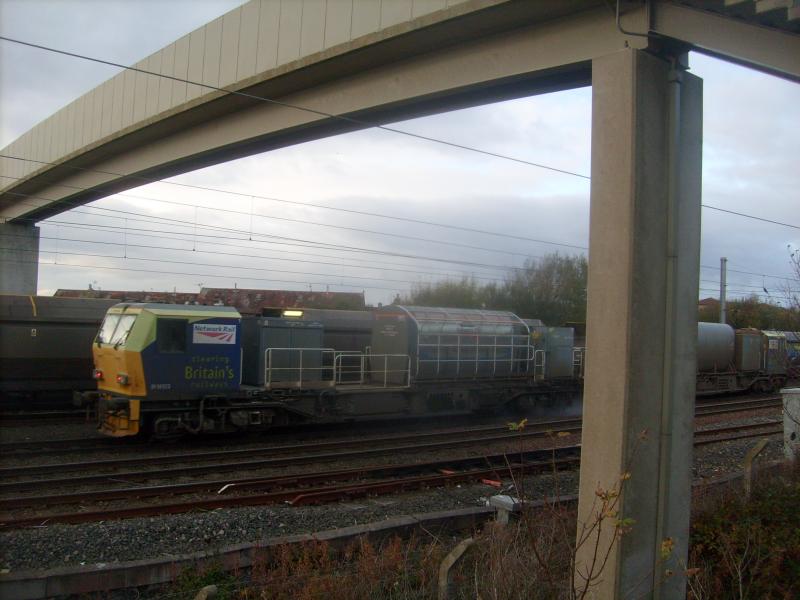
<point>46,347</point>
<point>731,360</point>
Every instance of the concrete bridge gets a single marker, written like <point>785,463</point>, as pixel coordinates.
<point>277,72</point>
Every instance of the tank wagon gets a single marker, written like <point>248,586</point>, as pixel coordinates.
<point>731,360</point>
<point>46,347</point>
<point>170,369</point>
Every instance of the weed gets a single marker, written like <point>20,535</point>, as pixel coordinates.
<point>191,580</point>
<point>748,549</point>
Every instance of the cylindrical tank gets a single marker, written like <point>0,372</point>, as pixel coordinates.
<point>715,346</point>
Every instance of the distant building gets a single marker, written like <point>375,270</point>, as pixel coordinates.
<point>131,296</point>
<point>249,302</point>
<point>254,301</point>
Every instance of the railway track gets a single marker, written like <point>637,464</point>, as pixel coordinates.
<point>736,405</point>
<point>316,487</point>
<point>348,449</point>
<point>260,450</point>
<point>37,417</point>
<point>78,445</point>
<point>297,455</point>
<point>307,488</point>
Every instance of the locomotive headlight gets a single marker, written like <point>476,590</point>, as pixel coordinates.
<point>122,379</point>
<point>292,313</point>
<point>98,374</point>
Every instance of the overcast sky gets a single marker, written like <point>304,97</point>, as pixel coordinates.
<point>750,165</point>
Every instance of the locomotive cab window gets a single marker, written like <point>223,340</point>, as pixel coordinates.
<point>107,329</point>
<point>171,334</point>
<point>123,328</point>
<point>115,329</point>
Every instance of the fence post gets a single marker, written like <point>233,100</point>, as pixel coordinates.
<point>748,466</point>
<point>445,585</point>
<point>791,424</point>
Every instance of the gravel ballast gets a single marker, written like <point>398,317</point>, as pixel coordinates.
<point>105,542</point>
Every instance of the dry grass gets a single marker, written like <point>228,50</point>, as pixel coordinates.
<point>528,559</point>
<point>744,549</point>
<point>395,570</point>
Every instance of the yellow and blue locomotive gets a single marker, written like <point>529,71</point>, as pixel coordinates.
<point>166,369</point>
<point>167,356</point>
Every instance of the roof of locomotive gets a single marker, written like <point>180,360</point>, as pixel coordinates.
<point>774,334</point>
<point>459,315</point>
<point>177,310</point>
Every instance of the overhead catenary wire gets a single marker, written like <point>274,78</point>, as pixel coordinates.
<point>365,264</point>
<point>716,267</point>
<point>377,215</point>
<point>194,226</point>
<point>146,180</point>
<point>746,285</point>
<point>217,276</point>
<point>188,224</point>
<point>117,228</point>
<point>310,244</point>
<point>755,218</point>
<point>63,252</point>
<point>746,293</point>
<point>305,222</point>
<point>217,252</point>
<point>732,289</point>
<point>237,277</point>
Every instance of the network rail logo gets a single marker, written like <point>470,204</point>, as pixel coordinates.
<point>213,334</point>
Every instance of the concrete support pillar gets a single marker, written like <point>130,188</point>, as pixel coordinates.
<point>641,327</point>
<point>19,258</point>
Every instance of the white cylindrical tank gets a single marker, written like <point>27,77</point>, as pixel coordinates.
<point>716,343</point>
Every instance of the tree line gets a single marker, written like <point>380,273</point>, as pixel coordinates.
<point>553,289</point>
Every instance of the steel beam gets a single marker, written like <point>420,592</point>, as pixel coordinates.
<point>743,42</point>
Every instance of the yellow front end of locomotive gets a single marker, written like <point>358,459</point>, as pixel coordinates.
<point>118,370</point>
<point>154,363</point>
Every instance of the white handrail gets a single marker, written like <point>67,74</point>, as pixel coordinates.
<point>578,361</point>
<point>326,369</point>
<point>539,364</point>
<point>373,377</point>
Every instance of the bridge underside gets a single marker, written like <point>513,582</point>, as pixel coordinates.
<point>362,89</point>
